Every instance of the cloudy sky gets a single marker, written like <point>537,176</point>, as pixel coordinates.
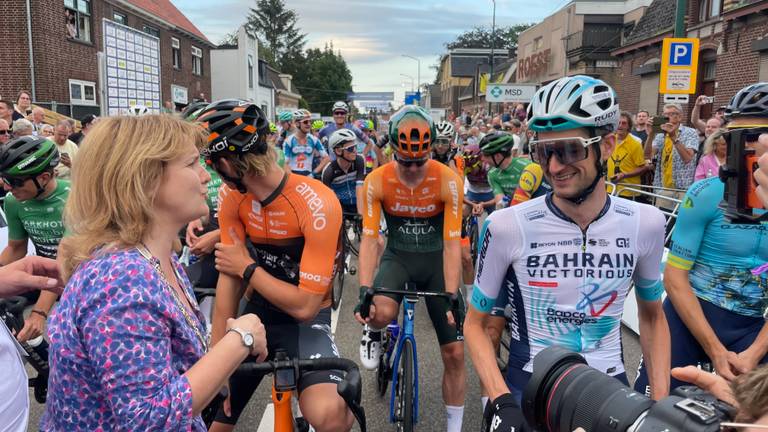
<point>373,35</point>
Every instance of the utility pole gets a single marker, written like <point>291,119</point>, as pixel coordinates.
<point>418,74</point>
<point>493,44</point>
<point>682,6</point>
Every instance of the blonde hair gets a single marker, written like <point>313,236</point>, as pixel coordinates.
<point>254,164</point>
<point>709,143</point>
<point>115,180</point>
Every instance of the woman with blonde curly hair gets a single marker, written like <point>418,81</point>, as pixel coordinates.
<point>715,149</point>
<point>128,342</point>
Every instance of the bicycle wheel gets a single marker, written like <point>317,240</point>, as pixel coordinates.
<point>404,393</point>
<point>473,240</point>
<point>338,283</point>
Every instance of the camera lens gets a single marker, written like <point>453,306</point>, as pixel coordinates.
<point>564,393</point>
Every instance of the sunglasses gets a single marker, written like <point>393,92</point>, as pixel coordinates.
<point>339,113</point>
<point>306,122</point>
<point>411,162</point>
<point>15,182</point>
<point>352,148</point>
<point>5,132</point>
<point>568,150</point>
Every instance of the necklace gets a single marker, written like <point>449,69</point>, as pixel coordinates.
<point>144,251</point>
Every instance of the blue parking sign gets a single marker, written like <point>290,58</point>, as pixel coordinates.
<point>680,54</point>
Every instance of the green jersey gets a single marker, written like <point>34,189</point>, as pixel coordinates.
<point>280,156</point>
<point>39,220</point>
<point>504,181</point>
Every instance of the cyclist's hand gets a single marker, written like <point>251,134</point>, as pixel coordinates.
<point>371,315</point>
<point>34,326</point>
<point>504,414</point>
<point>195,225</point>
<point>232,259</point>
<point>252,324</point>
<point>206,243</point>
<point>477,209</point>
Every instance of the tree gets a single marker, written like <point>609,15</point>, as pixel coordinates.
<point>480,37</point>
<point>324,79</point>
<point>278,34</point>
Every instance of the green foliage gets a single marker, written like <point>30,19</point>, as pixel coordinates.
<point>276,28</point>
<point>324,79</point>
<point>480,37</point>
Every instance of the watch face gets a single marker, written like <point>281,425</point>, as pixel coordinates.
<point>248,340</point>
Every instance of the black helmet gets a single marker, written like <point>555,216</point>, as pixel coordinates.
<point>193,110</point>
<point>751,101</point>
<point>235,127</point>
<point>28,156</point>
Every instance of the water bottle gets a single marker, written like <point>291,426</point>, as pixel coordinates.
<point>505,201</point>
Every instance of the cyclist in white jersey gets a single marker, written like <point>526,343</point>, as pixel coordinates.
<point>565,261</point>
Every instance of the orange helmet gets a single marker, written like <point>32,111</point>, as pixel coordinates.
<point>411,132</point>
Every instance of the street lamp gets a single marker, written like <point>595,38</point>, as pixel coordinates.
<point>493,45</point>
<point>418,81</point>
<point>409,77</point>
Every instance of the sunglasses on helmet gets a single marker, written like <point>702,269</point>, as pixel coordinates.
<point>568,150</point>
<point>15,182</point>
<point>411,162</point>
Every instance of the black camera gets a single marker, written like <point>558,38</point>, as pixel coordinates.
<point>740,197</point>
<point>564,394</point>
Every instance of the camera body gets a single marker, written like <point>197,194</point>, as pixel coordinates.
<point>564,393</point>
<point>740,197</point>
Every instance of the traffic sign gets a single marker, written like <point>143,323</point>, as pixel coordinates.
<point>510,92</point>
<point>679,65</point>
<point>676,98</point>
<point>371,96</point>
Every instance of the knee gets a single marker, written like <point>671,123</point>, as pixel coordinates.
<point>453,355</point>
<point>386,310</point>
<point>466,257</point>
<point>333,416</point>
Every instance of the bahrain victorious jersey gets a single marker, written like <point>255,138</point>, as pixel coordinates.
<point>565,286</point>
<point>295,231</point>
<point>419,218</point>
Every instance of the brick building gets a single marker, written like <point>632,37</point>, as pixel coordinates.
<point>732,51</point>
<point>59,61</point>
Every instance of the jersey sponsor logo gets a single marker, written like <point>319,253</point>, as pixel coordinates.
<point>622,242</point>
<point>581,264</point>
<point>541,284</point>
<point>26,163</point>
<point>483,250</point>
<point>369,199</point>
<point>605,118</point>
<point>278,232</point>
<point>413,209</point>
<point>510,313</point>
<point>568,317</point>
<point>454,197</point>
<point>620,209</point>
<point>413,228</point>
<point>310,276</point>
<point>535,245</point>
<point>595,309</point>
<point>533,215</point>
<point>256,207</point>
<point>688,203</point>
<point>315,205</point>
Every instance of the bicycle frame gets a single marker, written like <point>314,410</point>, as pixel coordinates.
<point>406,332</point>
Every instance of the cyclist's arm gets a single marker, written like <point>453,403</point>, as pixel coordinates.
<point>529,183</point>
<point>17,235</point>
<point>229,290</point>
<point>500,240</point>
<point>498,191</point>
<point>453,197</point>
<point>654,330</point>
<point>371,218</point>
<point>16,250</point>
<point>689,231</point>
<point>327,175</point>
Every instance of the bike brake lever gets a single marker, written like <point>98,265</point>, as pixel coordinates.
<point>365,306</point>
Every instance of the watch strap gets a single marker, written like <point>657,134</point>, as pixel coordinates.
<point>243,335</point>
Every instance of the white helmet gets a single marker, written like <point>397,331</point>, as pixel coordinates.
<point>137,110</point>
<point>341,136</point>
<point>301,114</point>
<point>574,102</point>
<point>340,106</point>
<point>445,130</point>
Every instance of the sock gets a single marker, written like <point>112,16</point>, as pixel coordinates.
<point>454,417</point>
<point>468,290</point>
<point>484,401</point>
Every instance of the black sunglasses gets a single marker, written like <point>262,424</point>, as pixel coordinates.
<point>5,132</point>
<point>336,113</point>
<point>306,122</point>
<point>411,162</point>
<point>351,148</point>
<point>15,182</point>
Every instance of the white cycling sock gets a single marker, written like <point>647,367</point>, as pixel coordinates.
<point>484,401</point>
<point>468,290</point>
<point>454,417</point>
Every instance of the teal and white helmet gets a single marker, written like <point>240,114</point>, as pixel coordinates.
<point>574,102</point>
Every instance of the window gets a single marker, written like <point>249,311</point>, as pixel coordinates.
<point>762,74</point>
<point>176,50</point>
<point>250,71</point>
<point>537,43</point>
<point>77,18</point>
<point>709,9</point>
<point>120,18</point>
<point>197,60</point>
<point>151,30</point>
<point>82,92</point>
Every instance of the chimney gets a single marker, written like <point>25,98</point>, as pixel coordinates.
<point>286,80</point>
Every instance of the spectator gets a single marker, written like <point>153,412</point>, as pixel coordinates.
<point>507,115</point>
<point>714,154</point>
<point>22,127</point>
<point>28,274</point>
<point>38,119</point>
<point>6,112</point>
<point>46,131</point>
<point>168,107</point>
<point>702,126</point>
<point>67,149</point>
<point>23,106</point>
<point>513,127</point>
<point>626,164</point>
<point>641,119</point>
<point>86,124</point>
<point>5,132</point>
<point>676,147</point>
<point>128,347</point>
<point>520,112</point>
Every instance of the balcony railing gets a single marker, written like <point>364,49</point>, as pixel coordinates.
<point>593,43</point>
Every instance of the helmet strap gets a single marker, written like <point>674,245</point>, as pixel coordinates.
<point>40,189</point>
<point>237,181</point>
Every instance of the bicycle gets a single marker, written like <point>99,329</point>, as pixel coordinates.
<point>11,312</point>
<point>399,348</point>
<point>286,374</point>
<point>471,227</point>
<point>351,222</point>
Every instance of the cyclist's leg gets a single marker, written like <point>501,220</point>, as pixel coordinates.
<point>392,274</point>
<point>319,401</point>
<point>685,350</point>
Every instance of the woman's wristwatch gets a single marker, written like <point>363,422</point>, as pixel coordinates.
<point>246,337</point>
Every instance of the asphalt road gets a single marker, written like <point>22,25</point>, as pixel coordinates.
<point>431,408</point>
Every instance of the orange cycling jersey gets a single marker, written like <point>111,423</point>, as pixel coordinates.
<point>416,216</point>
<point>295,231</point>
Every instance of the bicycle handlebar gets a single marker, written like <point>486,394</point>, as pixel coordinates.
<point>349,388</point>
<point>453,301</point>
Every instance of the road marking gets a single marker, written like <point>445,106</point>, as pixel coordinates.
<point>335,319</point>
<point>267,423</point>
